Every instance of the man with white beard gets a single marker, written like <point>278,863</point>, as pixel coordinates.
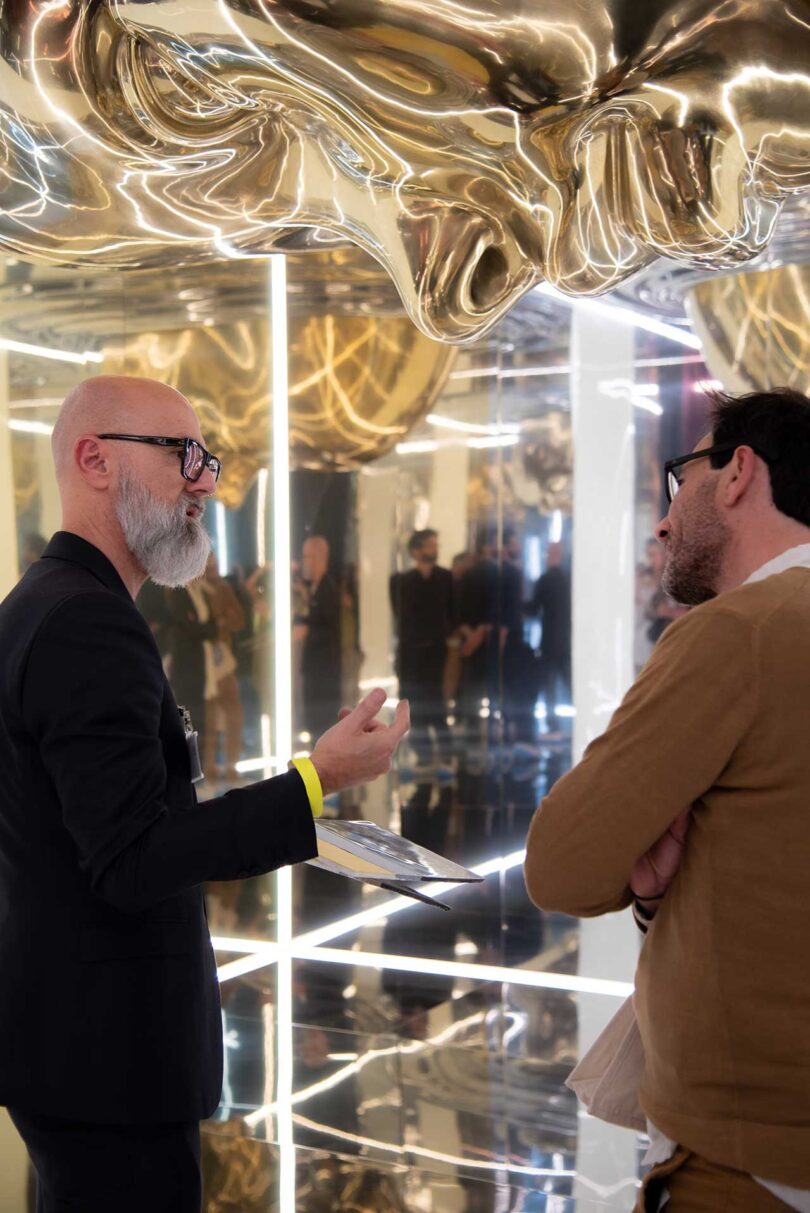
<point>110,1027</point>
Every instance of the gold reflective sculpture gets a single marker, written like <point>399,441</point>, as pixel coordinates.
<point>755,328</point>
<point>473,149</point>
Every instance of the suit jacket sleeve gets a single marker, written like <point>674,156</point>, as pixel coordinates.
<point>92,699</point>
<point>667,744</point>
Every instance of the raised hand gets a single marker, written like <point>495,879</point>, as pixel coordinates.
<point>359,747</point>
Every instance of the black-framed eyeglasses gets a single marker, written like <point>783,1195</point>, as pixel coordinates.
<point>193,457</point>
<point>673,480</point>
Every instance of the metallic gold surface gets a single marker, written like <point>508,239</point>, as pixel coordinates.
<point>357,385</point>
<point>472,149</point>
<point>755,327</point>
<point>360,374</point>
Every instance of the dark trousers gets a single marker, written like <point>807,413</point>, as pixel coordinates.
<point>421,682</point>
<point>89,1168</point>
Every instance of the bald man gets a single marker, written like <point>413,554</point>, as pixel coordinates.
<point>110,1028</point>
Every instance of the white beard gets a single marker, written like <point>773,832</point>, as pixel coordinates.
<point>170,547</point>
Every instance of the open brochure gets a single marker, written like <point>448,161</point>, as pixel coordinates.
<point>364,851</point>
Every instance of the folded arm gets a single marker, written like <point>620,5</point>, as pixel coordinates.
<point>666,745</point>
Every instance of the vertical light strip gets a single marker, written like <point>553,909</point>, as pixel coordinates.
<point>282,653</point>
<point>261,518</point>
<point>222,538</point>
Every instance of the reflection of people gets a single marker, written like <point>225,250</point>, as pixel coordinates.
<point>319,630</point>
<point>422,602</point>
<point>190,626</point>
<point>111,1052</point>
<point>489,616</point>
<point>551,602</point>
<point>33,547</point>
<point>714,732</point>
<point>223,704</point>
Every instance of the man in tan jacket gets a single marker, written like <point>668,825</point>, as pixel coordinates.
<point>695,803</point>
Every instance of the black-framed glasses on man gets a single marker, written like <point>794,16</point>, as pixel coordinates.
<point>673,480</point>
<point>194,457</point>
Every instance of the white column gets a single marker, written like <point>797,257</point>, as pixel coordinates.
<point>376,534</point>
<point>603,617</point>
<point>50,505</point>
<point>9,568</point>
<point>448,499</point>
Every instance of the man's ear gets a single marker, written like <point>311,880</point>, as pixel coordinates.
<point>92,462</point>
<point>738,475</point>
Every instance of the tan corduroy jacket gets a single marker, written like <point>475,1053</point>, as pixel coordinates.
<point>720,719</point>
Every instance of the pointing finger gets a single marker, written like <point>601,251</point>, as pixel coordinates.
<point>401,722</point>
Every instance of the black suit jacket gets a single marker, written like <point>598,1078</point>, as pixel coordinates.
<point>109,1003</point>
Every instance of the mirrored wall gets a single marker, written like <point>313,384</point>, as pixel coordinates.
<point>471,528</point>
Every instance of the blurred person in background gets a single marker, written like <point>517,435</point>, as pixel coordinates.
<point>33,547</point>
<point>223,704</point>
<point>318,632</point>
<point>422,603</point>
<point>551,604</point>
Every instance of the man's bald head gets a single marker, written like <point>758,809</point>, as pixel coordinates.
<point>118,403</point>
<point>132,499</point>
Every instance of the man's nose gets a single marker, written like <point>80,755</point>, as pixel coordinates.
<point>206,485</point>
<point>662,530</point>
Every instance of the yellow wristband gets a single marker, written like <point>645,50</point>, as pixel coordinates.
<point>306,769</point>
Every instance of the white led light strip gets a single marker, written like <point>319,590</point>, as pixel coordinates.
<point>282,653</point>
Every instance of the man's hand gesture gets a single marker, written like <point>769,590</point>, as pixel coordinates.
<point>359,747</point>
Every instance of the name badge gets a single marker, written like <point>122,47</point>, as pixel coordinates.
<point>192,745</point>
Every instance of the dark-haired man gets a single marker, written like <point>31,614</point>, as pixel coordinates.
<point>695,803</point>
<point>422,602</point>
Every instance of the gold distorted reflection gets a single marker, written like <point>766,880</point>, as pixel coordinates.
<point>360,374</point>
<point>755,327</point>
<point>471,152</point>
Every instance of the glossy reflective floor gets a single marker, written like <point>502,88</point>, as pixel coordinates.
<point>430,1048</point>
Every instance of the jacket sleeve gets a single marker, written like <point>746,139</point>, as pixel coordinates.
<point>92,699</point>
<point>667,744</point>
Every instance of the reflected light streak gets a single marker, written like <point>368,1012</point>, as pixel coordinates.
<point>468,427</point>
<point>625,315</point>
<point>248,964</point>
<point>29,427</point>
<point>464,970</point>
<point>477,1164</point>
<point>47,351</point>
<point>385,909</point>
<point>480,444</point>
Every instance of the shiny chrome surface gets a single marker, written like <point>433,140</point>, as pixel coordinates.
<point>472,149</point>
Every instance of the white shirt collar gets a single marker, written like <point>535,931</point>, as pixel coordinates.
<point>793,558</point>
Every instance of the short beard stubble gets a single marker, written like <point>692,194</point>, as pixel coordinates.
<point>695,561</point>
